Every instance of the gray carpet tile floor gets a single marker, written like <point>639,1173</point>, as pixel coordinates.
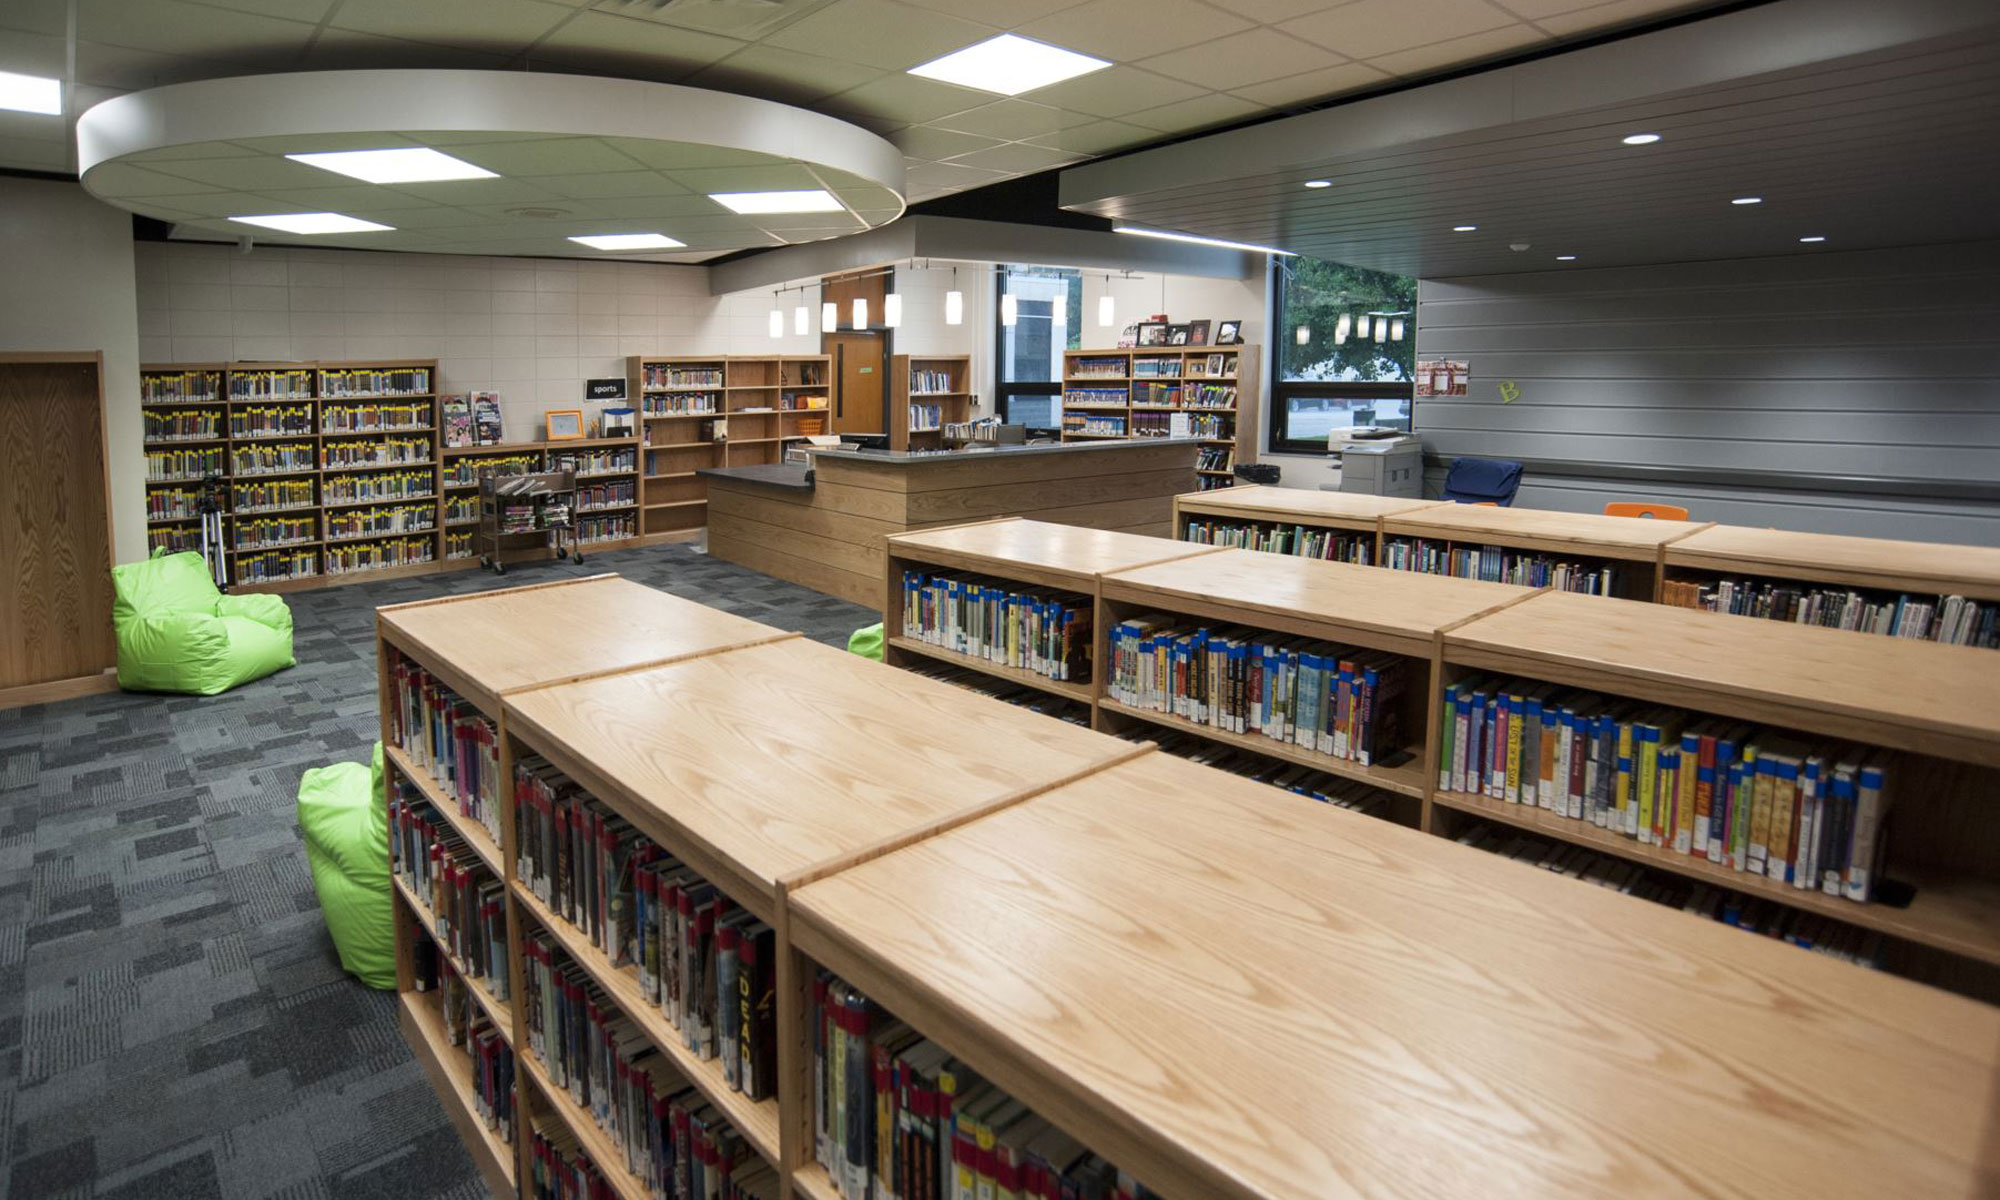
<point>173,1021</point>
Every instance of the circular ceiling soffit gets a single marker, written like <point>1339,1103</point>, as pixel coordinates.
<point>607,156</point>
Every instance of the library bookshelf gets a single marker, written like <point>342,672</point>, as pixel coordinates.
<point>607,492</point>
<point>328,470</point>
<point>718,411</point>
<point>1936,711</point>
<point>1079,918</point>
<point>927,393</point>
<point>1137,393</point>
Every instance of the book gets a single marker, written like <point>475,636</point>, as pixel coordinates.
<point>487,426</point>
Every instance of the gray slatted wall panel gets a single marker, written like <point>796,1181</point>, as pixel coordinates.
<point>1871,363</point>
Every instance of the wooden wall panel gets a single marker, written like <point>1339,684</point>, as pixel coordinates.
<point>55,531</point>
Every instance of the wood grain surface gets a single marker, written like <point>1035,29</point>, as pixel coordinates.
<point>1038,551</point>
<point>1852,561</point>
<point>1589,534</point>
<point>1344,510</point>
<point>1233,994</point>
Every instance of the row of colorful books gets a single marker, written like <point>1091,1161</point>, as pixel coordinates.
<point>896,1117</point>
<point>363,522</point>
<point>185,387</point>
<point>1303,541</point>
<point>1201,425</point>
<point>1769,918</point>
<point>181,424</point>
<point>270,566</point>
<point>273,459</point>
<point>467,902</point>
<point>1208,395</point>
<point>172,504</point>
<point>373,418</point>
<point>1093,424</point>
<point>270,385</point>
<point>286,420</point>
<point>379,556</point>
<point>274,494</point>
<point>671,1137</point>
<point>925,379</point>
<point>1497,564</point>
<point>614,528</point>
<point>660,375</point>
<point>1168,394</point>
<point>1341,701</point>
<point>467,470</point>
<point>356,383</point>
<point>1805,812</point>
<point>1044,631</point>
<point>183,464</point>
<point>1953,620</point>
<point>1097,368</point>
<point>926,418</point>
<point>1213,483</point>
<point>467,1027</point>
<point>388,452</point>
<point>593,462</point>
<point>1086,397</point>
<point>380,485</point>
<point>679,404</point>
<point>1156,368</point>
<point>173,538</point>
<point>709,965</point>
<point>1215,458</point>
<point>449,738</point>
<point>255,534</point>
<point>458,545</point>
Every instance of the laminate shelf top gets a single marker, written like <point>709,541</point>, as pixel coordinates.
<point>1370,600</point>
<point>1880,690</point>
<point>1539,529</point>
<point>1829,558</point>
<point>1026,549</point>
<point>767,764</point>
<point>1287,504</point>
<point>1238,994</point>
<point>502,641</point>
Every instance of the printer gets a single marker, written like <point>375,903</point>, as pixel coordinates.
<point>1379,462</point>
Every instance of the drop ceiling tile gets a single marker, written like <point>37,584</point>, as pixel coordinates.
<point>783,74</point>
<point>1113,92</point>
<point>48,17</point>
<point>749,22</point>
<point>925,143</point>
<point>612,43</point>
<point>479,137</point>
<point>344,199</point>
<point>551,156</point>
<point>879,33</point>
<point>1312,85</point>
<point>117,179</point>
<point>214,204</point>
<point>1242,59</point>
<point>1270,12</point>
<point>299,144</point>
<point>171,27</point>
<point>251,174</point>
<point>291,10</point>
<point>36,127</point>
<point>933,178</point>
<point>905,100</point>
<point>481,191</point>
<point>35,154</point>
<point>1459,51</point>
<point>1126,30</point>
<point>501,25</point>
<point>352,50</point>
<point>133,68</point>
<point>1098,137</point>
<point>817,225</point>
<point>34,54</point>
<point>1017,158</point>
<point>1198,113</point>
<point>1012,120</point>
<point>620,183</point>
<point>672,156</point>
<point>1009,15</point>
<point>1609,16</point>
<point>1368,28</point>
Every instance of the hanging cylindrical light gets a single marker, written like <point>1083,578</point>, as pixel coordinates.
<point>802,316</point>
<point>954,302</point>
<point>861,312</point>
<point>1381,328</point>
<point>829,317</point>
<point>892,310</point>
<point>1107,308</point>
<point>1009,311</point>
<point>1059,311</point>
<point>1341,328</point>
<point>1396,330</point>
<point>1305,334</point>
<point>777,317</point>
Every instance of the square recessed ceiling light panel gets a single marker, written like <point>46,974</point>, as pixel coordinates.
<point>415,164</point>
<point>1009,65</point>
<point>628,241</point>
<point>811,200</point>
<point>325,222</point>
<point>30,94</point>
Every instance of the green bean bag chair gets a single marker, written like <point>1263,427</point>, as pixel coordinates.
<point>347,847</point>
<point>866,641</point>
<point>177,633</point>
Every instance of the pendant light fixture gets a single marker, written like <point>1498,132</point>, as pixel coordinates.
<point>829,317</point>
<point>802,316</point>
<point>1010,311</point>
<point>1059,311</point>
<point>1396,330</point>
<point>1304,334</point>
<point>1340,329</point>
<point>777,316</point>
<point>1381,329</point>
<point>892,310</point>
<point>954,302</point>
<point>861,312</point>
<point>1107,308</point>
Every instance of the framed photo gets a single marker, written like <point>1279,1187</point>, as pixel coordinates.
<point>565,424</point>
<point>1177,335</point>
<point>1129,338</point>
<point>1197,333</point>
<point>1229,333</point>
<point>1153,333</point>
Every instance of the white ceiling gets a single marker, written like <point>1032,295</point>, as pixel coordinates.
<point>1182,65</point>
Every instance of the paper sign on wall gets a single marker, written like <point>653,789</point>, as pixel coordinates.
<point>1179,426</point>
<point>1442,377</point>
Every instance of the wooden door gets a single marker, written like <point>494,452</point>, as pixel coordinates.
<point>860,377</point>
<point>55,526</point>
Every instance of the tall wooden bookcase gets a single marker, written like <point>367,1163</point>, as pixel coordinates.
<point>697,412</point>
<point>1137,393</point>
<point>926,393</point>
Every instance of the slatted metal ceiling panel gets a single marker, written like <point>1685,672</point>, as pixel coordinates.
<point>1886,148</point>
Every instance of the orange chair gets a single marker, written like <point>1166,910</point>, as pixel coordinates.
<point>1645,509</point>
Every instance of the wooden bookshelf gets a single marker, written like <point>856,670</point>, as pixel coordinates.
<point>1136,393</point>
<point>1269,510</point>
<point>1238,995</point>
<point>459,484</point>
<point>450,1071</point>
<point>1631,546</point>
<point>941,382</point>
<point>762,402</point>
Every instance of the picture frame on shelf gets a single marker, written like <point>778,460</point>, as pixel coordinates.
<point>1177,335</point>
<point>1129,338</point>
<point>1229,333</point>
<point>564,424</point>
<point>1198,333</point>
<point>1153,333</point>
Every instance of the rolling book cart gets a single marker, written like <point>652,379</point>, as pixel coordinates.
<point>1220,989</point>
<point>513,508</point>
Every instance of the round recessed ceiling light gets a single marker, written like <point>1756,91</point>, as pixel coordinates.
<point>1748,200</point>
<point>1641,139</point>
<point>1565,258</point>
<point>1319,183</point>
<point>1817,237</point>
<point>1464,228</point>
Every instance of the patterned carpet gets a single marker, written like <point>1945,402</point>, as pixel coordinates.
<point>172,1017</point>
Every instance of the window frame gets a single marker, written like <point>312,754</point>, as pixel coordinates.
<point>1005,391</point>
<point>1278,439</point>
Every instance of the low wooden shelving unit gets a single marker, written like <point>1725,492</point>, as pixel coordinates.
<point>926,393</point>
<point>1137,393</point>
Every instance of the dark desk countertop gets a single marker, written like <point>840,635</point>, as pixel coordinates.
<point>783,475</point>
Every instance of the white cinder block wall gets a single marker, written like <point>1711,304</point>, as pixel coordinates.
<point>530,329</point>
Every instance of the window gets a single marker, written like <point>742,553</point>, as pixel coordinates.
<point>1030,358</point>
<point>1330,368</point>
